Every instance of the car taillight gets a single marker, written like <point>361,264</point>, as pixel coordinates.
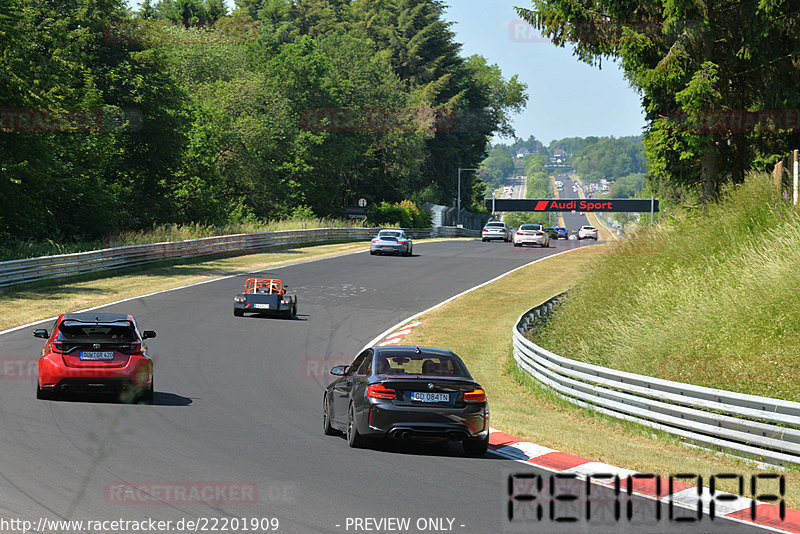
<point>476,395</point>
<point>379,391</point>
<point>131,348</point>
<point>239,299</point>
<point>58,347</point>
<point>401,241</point>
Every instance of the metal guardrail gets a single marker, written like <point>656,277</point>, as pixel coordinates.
<point>66,265</point>
<point>759,428</point>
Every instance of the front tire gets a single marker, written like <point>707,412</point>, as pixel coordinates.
<point>354,438</point>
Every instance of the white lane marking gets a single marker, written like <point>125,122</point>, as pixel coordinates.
<point>598,468</point>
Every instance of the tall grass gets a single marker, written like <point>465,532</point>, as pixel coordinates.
<point>707,297</point>
<point>11,249</point>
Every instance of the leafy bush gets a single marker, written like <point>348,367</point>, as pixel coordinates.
<point>404,214</point>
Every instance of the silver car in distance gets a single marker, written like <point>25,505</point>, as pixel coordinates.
<point>391,241</point>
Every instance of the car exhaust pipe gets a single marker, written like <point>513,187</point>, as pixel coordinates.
<point>405,435</point>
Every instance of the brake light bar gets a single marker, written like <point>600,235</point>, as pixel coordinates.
<point>379,391</point>
<point>476,395</point>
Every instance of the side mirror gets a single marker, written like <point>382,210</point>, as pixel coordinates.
<point>41,332</point>
<point>339,370</point>
<point>148,334</point>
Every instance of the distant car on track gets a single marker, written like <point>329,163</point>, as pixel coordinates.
<point>267,296</point>
<point>587,232</point>
<point>95,353</point>
<point>407,393</point>
<point>391,242</point>
<point>496,230</point>
<point>562,232</point>
<point>531,234</point>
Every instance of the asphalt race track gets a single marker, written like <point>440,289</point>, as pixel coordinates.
<point>237,413</point>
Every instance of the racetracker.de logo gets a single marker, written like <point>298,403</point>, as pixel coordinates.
<point>586,31</point>
<point>320,368</point>
<point>18,368</point>
<point>181,493</point>
<point>77,120</point>
<point>404,120</point>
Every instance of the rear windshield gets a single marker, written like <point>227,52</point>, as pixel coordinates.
<point>73,331</point>
<point>420,364</point>
<point>531,227</point>
<point>389,234</point>
<point>495,225</point>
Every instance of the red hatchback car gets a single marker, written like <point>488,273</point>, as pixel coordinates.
<point>95,353</point>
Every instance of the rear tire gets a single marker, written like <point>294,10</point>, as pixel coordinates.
<point>354,439</point>
<point>372,253</point>
<point>237,312</point>
<point>475,448</point>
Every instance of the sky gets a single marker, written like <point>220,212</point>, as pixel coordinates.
<point>566,98</point>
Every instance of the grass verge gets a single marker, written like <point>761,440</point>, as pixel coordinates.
<point>706,297</point>
<point>15,249</point>
<point>524,409</point>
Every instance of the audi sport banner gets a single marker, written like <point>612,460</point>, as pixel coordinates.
<point>571,204</point>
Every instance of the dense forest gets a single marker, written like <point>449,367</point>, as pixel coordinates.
<point>182,112</point>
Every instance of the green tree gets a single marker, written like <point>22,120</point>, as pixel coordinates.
<point>700,68</point>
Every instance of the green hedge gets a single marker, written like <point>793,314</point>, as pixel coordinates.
<point>404,214</point>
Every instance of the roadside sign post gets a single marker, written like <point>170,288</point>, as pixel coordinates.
<point>652,201</point>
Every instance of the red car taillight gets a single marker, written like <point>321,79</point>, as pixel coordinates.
<point>375,241</point>
<point>58,347</point>
<point>476,395</point>
<point>379,391</point>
